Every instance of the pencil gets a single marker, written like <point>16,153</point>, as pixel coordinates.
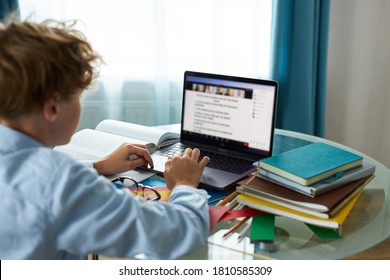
<point>236,226</point>
<point>227,199</point>
<point>253,176</point>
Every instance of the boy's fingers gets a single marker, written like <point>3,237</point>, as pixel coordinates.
<point>143,155</point>
<point>204,161</point>
<point>195,153</point>
<point>187,152</point>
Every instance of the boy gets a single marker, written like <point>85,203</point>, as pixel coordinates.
<point>52,207</point>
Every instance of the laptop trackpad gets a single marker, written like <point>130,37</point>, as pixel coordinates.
<point>219,178</point>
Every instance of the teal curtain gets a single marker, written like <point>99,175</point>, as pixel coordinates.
<point>299,62</point>
<point>7,6</point>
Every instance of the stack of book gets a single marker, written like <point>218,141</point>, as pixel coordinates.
<point>317,184</point>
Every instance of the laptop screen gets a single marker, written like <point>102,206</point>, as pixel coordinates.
<point>232,113</point>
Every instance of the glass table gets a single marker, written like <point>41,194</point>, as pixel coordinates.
<point>367,225</point>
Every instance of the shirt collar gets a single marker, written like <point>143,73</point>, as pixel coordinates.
<point>12,140</point>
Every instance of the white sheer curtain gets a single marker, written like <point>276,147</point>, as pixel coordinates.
<point>148,44</point>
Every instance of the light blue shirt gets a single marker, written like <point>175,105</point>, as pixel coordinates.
<point>52,207</point>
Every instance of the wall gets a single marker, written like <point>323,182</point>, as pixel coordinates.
<point>358,86</point>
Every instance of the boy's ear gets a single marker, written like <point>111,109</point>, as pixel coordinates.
<point>51,107</point>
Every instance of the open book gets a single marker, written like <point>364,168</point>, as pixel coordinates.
<point>93,144</point>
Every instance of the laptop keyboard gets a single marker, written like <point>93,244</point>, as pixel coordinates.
<point>217,161</point>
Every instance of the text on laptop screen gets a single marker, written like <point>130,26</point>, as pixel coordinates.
<point>232,113</point>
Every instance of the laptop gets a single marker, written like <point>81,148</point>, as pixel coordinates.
<point>230,119</point>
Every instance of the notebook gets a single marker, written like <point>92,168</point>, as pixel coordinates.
<point>231,119</point>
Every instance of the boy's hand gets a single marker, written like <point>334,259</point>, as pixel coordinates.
<point>185,169</point>
<point>125,157</point>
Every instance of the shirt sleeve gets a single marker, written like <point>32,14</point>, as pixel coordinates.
<point>90,215</point>
<point>88,163</point>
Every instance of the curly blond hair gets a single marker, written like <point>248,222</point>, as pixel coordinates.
<point>40,59</point>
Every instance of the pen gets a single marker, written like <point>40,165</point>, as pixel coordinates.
<point>226,200</point>
<point>236,226</point>
<point>243,232</point>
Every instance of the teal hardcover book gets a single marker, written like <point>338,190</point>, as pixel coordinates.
<point>311,163</point>
<point>322,186</point>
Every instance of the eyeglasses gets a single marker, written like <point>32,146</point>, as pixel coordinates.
<point>136,189</point>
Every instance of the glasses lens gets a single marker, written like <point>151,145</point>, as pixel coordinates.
<point>150,194</point>
<point>131,185</point>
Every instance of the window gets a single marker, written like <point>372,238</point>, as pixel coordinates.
<point>148,44</point>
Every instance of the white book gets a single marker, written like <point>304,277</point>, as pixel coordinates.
<point>94,144</point>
